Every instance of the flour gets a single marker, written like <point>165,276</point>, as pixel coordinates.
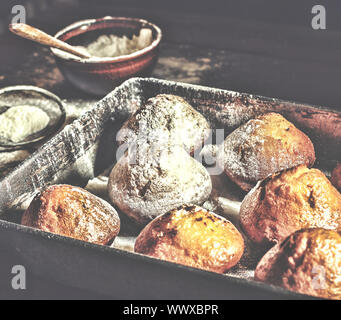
<point>17,123</point>
<point>110,46</point>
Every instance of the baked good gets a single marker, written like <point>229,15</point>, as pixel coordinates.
<point>336,177</point>
<point>73,212</point>
<point>287,201</point>
<point>166,118</point>
<point>308,261</point>
<point>152,181</point>
<point>192,236</point>
<point>263,146</point>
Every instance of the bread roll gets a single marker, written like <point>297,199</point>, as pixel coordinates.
<point>192,236</point>
<point>308,261</point>
<point>151,182</point>
<point>336,177</point>
<point>168,117</point>
<point>287,201</point>
<point>263,146</point>
<point>73,212</point>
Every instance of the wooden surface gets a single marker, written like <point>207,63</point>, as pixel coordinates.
<point>259,47</point>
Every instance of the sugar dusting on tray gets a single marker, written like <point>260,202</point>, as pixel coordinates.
<point>110,46</point>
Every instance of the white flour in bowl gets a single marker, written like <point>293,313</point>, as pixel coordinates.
<point>19,122</point>
<point>110,46</point>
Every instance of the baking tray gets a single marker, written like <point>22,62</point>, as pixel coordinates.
<point>86,148</point>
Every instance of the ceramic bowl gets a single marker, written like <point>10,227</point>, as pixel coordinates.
<point>99,76</point>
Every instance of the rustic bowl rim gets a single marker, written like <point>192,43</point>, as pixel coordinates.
<point>80,23</point>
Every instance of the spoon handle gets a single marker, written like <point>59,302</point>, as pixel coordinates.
<point>34,34</point>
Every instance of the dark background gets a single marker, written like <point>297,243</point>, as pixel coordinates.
<point>256,46</point>
<point>262,47</point>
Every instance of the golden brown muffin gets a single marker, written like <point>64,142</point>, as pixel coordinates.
<point>263,146</point>
<point>308,261</point>
<point>287,201</point>
<point>73,212</point>
<point>166,117</point>
<point>192,236</point>
<point>336,177</point>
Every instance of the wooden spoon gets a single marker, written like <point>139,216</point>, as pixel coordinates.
<point>34,34</point>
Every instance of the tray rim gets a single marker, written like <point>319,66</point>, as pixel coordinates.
<point>5,225</point>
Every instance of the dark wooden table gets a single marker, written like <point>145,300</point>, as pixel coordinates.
<point>260,47</point>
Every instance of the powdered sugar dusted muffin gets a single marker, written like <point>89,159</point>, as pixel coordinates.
<point>153,181</point>
<point>169,118</point>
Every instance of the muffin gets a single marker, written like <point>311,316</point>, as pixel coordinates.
<point>308,261</point>
<point>336,177</point>
<point>287,201</point>
<point>149,182</point>
<point>168,118</point>
<point>72,212</point>
<point>263,146</point>
<point>192,236</point>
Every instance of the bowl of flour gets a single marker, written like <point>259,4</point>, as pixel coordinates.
<point>119,48</point>
<point>28,115</point>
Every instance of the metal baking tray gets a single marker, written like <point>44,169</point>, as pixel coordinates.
<point>86,148</point>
